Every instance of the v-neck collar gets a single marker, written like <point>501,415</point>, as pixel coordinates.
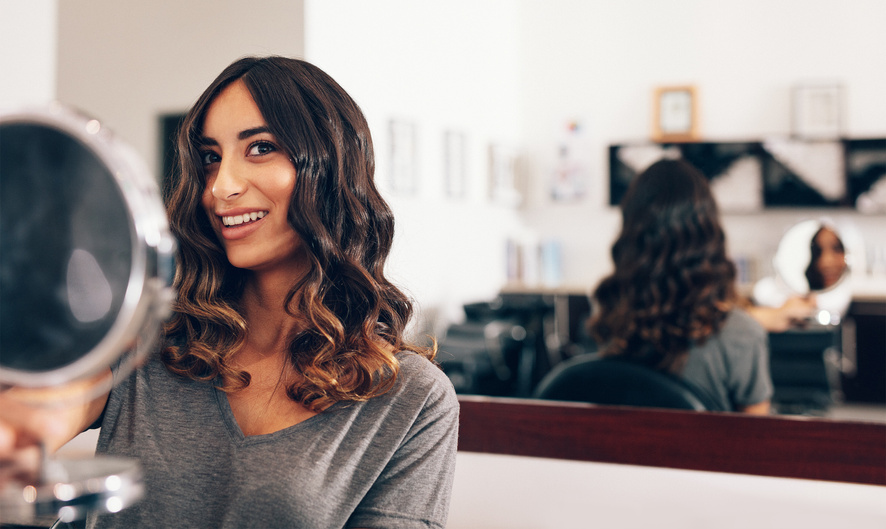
<point>237,435</point>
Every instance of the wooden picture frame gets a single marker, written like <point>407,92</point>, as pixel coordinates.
<point>675,114</point>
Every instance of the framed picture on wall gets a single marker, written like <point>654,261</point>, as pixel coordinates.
<point>503,175</point>
<point>455,163</point>
<point>674,114</point>
<point>817,111</point>
<point>403,142</point>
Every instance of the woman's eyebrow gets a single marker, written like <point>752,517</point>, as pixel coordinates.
<point>207,141</point>
<point>252,132</point>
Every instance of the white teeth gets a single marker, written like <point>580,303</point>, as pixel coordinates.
<point>235,220</point>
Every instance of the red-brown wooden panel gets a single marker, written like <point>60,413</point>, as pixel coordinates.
<point>766,446</point>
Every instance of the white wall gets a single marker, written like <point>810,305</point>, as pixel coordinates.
<point>126,63</point>
<point>507,492</point>
<point>440,65</point>
<point>27,76</point>
<point>598,62</point>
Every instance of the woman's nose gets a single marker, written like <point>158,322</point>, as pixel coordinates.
<point>832,259</point>
<point>228,183</point>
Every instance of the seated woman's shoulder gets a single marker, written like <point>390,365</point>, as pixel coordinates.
<point>414,365</point>
<point>416,370</point>
<point>740,323</point>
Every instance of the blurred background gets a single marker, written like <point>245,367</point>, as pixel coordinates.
<point>494,120</point>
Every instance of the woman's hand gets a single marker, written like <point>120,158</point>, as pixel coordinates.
<point>34,420</point>
<point>793,312</point>
<point>798,308</point>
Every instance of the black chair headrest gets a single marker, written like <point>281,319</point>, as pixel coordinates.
<point>616,382</point>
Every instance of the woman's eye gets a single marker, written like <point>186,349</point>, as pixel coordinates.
<point>260,148</point>
<point>209,158</point>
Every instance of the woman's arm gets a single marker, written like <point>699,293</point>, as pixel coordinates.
<point>779,319</point>
<point>47,416</point>
<point>761,408</point>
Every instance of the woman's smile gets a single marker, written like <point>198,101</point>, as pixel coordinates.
<point>236,220</point>
<point>234,227</point>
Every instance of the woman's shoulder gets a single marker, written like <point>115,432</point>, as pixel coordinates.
<point>740,326</point>
<point>419,369</point>
<point>419,374</point>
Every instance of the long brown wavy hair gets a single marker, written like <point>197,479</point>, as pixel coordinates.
<point>673,284</point>
<point>353,317</point>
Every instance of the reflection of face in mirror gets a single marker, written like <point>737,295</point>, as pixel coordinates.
<point>828,263</point>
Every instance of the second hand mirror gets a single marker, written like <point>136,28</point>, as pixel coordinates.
<point>812,259</point>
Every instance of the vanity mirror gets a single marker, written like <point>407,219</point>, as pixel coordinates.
<point>85,269</point>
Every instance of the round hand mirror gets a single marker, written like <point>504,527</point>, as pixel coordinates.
<point>86,262</point>
<point>812,259</point>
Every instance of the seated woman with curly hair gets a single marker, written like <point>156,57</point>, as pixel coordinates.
<point>671,301</point>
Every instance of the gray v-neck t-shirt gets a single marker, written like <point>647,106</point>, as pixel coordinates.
<point>387,462</point>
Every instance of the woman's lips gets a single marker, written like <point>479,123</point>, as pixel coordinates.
<point>243,228</point>
<point>234,220</point>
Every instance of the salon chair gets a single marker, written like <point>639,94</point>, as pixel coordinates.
<point>481,357</point>
<point>618,382</point>
<point>804,364</point>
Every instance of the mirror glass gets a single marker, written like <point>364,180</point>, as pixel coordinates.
<point>66,249</point>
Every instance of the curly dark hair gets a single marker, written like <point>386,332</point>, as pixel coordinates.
<point>353,317</point>
<point>673,284</point>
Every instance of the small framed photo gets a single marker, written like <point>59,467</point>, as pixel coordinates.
<point>503,175</point>
<point>455,163</point>
<point>817,111</point>
<point>675,116</point>
<point>404,165</point>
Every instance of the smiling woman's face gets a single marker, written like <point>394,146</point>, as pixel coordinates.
<point>249,183</point>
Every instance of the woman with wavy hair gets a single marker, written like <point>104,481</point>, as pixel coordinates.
<point>285,394</point>
<point>670,302</point>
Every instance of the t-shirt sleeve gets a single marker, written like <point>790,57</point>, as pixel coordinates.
<point>751,380</point>
<point>414,489</point>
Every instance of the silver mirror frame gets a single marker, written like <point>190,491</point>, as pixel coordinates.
<point>147,300</point>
